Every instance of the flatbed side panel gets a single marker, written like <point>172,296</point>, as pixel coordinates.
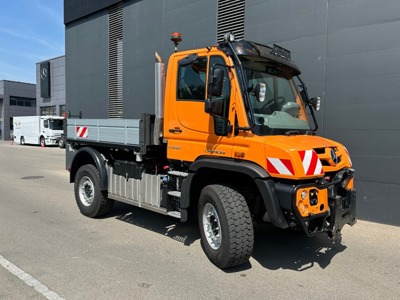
<point>118,131</point>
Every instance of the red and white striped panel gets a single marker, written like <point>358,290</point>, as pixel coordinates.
<point>311,163</point>
<point>280,166</point>
<point>82,132</point>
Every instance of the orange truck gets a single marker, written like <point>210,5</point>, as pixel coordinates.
<point>232,143</point>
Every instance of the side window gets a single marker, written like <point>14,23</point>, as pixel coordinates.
<point>192,80</point>
<point>218,63</point>
<point>46,123</point>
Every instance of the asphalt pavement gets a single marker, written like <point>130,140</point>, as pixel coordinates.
<point>48,250</point>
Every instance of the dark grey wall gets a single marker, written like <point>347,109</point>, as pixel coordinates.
<point>147,28</point>
<point>76,9</point>
<point>362,102</point>
<point>86,70</point>
<point>348,52</point>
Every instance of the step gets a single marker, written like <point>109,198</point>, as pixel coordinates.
<point>178,173</point>
<point>174,194</point>
<point>175,214</point>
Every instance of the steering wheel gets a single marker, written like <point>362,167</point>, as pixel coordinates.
<point>278,102</point>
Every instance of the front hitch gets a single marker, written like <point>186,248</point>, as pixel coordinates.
<point>342,212</point>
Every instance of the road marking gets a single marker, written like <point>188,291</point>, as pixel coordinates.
<point>29,280</point>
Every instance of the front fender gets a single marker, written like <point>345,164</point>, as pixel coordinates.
<point>260,176</point>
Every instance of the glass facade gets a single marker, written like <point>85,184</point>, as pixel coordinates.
<point>48,111</point>
<point>62,110</point>
<point>22,101</point>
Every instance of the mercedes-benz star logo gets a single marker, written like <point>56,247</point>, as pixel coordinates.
<point>334,157</point>
<point>43,73</point>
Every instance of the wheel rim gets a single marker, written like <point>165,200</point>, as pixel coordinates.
<point>212,226</point>
<point>86,191</point>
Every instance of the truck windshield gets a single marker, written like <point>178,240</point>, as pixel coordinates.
<point>56,124</point>
<point>282,109</point>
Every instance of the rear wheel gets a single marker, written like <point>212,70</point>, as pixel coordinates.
<point>92,202</point>
<point>22,141</point>
<point>226,227</point>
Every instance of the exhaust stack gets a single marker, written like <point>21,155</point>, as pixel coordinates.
<point>159,99</point>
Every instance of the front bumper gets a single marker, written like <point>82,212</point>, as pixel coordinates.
<point>51,141</point>
<point>339,208</point>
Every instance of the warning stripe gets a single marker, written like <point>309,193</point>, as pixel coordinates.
<point>82,132</point>
<point>280,166</point>
<point>311,163</point>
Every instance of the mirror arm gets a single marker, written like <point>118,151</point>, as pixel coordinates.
<point>314,118</point>
<point>309,104</point>
<point>304,88</point>
<point>243,88</point>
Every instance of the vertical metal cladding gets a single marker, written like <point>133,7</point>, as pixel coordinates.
<point>115,61</point>
<point>230,18</point>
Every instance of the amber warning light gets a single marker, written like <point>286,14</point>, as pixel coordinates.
<point>176,37</point>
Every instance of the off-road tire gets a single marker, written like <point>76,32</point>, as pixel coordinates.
<point>92,202</point>
<point>235,226</point>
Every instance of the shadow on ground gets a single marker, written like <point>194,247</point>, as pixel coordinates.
<point>283,249</point>
<point>185,233</point>
<point>273,248</point>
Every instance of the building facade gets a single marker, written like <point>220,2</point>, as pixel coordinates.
<point>16,99</point>
<point>347,50</point>
<point>50,87</point>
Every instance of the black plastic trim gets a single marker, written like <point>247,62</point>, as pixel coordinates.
<point>239,166</point>
<point>271,201</point>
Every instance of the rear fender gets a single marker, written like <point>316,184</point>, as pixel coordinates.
<point>88,155</point>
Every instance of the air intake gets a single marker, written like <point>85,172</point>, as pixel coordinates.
<point>115,66</point>
<point>230,18</point>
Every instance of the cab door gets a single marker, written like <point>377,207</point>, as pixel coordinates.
<point>190,131</point>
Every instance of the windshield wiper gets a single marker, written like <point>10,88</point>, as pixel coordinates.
<point>292,132</point>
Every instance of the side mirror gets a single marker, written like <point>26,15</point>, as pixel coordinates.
<point>315,103</point>
<point>217,82</point>
<point>213,107</point>
<point>222,126</point>
<point>261,90</point>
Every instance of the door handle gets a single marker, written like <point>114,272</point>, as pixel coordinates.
<point>175,130</point>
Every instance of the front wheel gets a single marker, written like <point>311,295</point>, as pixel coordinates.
<point>61,143</point>
<point>92,202</point>
<point>42,142</point>
<point>226,227</point>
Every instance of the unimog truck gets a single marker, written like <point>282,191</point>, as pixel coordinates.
<point>232,143</point>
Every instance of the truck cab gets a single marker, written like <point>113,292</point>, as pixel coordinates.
<point>237,111</point>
